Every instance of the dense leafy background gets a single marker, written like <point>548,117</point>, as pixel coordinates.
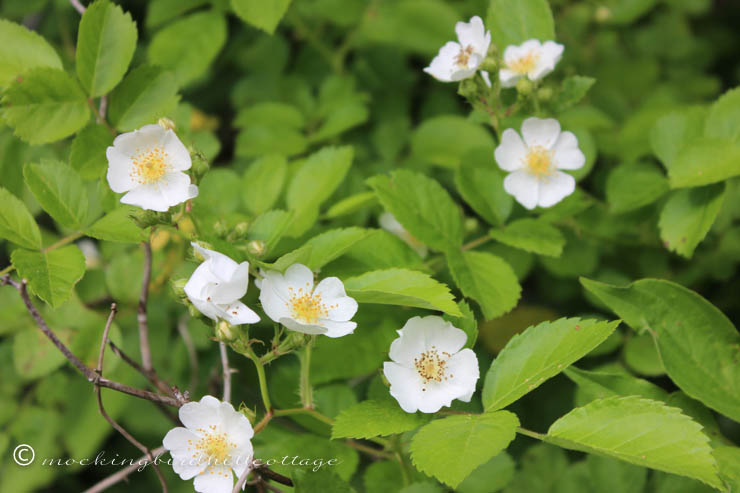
<point>317,116</point>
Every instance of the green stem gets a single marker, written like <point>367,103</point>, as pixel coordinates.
<point>262,379</point>
<point>6,270</point>
<point>63,241</point>
<point>530,433</point>
<point>476,242</point>
<point>306,391</point>
<point>405,466</point>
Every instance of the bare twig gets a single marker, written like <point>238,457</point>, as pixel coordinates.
<point>123,473</point>
<point>128,436</point>
<point>103,106</point>
<point>146,354</point>
<point>227,371</point>
<point>182,328</point>
<point>242,479</point>
<point>176,401</point>
<point>78,6</point>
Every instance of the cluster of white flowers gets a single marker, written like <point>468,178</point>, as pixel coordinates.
<point>534,164</point>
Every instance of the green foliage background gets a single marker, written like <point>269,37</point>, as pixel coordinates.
<point>316,116</point>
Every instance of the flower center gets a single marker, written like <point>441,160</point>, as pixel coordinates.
<point>431,366</point>
<point>463,57</point>
<point>149,166</point>
<point>539,161</point>
<point>525,64</point>
<point>213,448</point>
<point>307,306</point>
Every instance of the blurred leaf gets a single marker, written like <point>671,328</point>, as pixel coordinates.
<point>270,113</point>
<point>531,235</point>
<point>513,22</point>
<point>601,384</point>
<point>375,418</point>
<point>257,140</point>
<point>263,182</point>
<point>22,49</point>
<point>59,190</point>
<point>443,140</point>
<point>723,120</point>
<point>51,275</point>
<point>270,227</point>
<point>469,441</point>
<point>672,132</point>
<point>704,161</point>
<point>118,226</point>
<point>322,249</point>
<point>466,322</point>
<point>145,95</point>
<point>16,223</point>
<point>641,356</point>
<point>481,184</point>
<point>573,90</point>
<point>88,151</point>
<point>263,15</point>
<point>494,475</point>
<point>319,176</point>
<point>634,185</point>
<point>106,41</point>
<point>626,11</point>
<point>688,215</point>
<point>160,11</point>
<point>541,466</point>
<point>349,205</point>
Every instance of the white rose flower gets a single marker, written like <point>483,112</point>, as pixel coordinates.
<point>460,60</point>
<point>430,368</point>
<point>389,223</point>
<point>534,163</point>
<point>214,446</point>
<point>531,59</point>
<point>292,300</point>
<point>148,164</point>
<point>216,287</point>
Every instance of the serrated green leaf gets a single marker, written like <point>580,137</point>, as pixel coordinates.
<point>106,42</point>
<point>639,431</point>
<point>322,249</point>
<point>189,45</point>
<point>540,353</point>
<point>513,22</point>
<point>117,225</point>
<point>16,223</point>
<point>88,151</point>
<point>351,204</point>
<point>375,418</point>
<point>601,384</point>
<point>673,131</point>
<point>270,227</point>
<point>263,182</point>
<point>45,105</point>
<point>22,49</point>
<point>51,275</point>
<point>422,206</point>
<point>634,185</point>
<point>573,90</point>
<point>443,140</point>
<point>59,190</point>
<point>402,287</point>
<point>705,161</point>
<point>728,459</point>
<point>145,95</point>
<point>451,448</point>
<point>532,235</point>
<point>697,343</point>
<point>723,120</point>
<point>319,177</point>
<point>487,279</point>
<point>263,15</point>
<point>541,467</point>
<point>494,475</point>
<point>688,215</point>
<point>324,479</point>
<point>481,184</point>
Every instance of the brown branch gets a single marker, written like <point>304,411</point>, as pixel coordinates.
<point>182,328</point>
<point>128,436</point>
<point>146,353</point>
<point>176,401</point>
<point>266,473</point>
<point>123,473</point>
<point>226,370</point>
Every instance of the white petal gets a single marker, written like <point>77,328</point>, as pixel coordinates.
<point>486,77</point>
<point>436,396</point>
<point>466,73</point>
<point>550,54</point>
<point>200,414</point>
<point>342,309</point>
<point>512,54</point>
<point>555,188</point>
<point>238,313</point>
<point>187,467</point>
<point>464,371</point>
<point>119,175</point>
<point>241,458</point>
<point>175,187</point>
<point>233,284</point>
<point>510,154</point>
<point>176,439</point>
<point>410,343</point>
<point>330,288</point>
<point>473,34</point>
<point>235,424</point>
<point>179,157</point>
<point>566,154</point>
<point>192,191</point>
<point>274,296</point>
<point>524,187</point>
<point>338,329</point>
<point>298,276</point>
<point>540,132</point>
<point>508,78</point>
<point>221,481</point>
<point>207,308</point>
<point>443,65</point>
<point>441,335</point>
<point>405,386</point>
<point>147,197</point>
<point>389,223</point>
<point>131,144</point>
<point>292,324</point>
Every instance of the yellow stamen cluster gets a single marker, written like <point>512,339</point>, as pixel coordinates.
<point>525,64</point>
<point>431,366</point>
<point>150,166</point>
<point>539,161</point>
<point>213,448</point>
<point>307,306</point>
<point>462,58</point>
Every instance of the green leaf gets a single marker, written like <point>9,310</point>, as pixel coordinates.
<point>451,448</point>
<point>22,49</point>
<point>189,45</point>
<point>641,356</point>
<point>639,431</point>
<point>705,161</point>
<point>728,459</point>
<point>494,475</point>
<point>513,22</point>
<point>375,418</point>
<point>532,235</point>
<point>573,90</point>
<point>723,120</point>
<point>323,479</point>
<point>466,322</point>
<point>262,15</point>
<point>674,130</point>
<point>487,279</point>
<point>87,156</point>
<point>59,190</point>
<point>688,215</point>
<point>350,205</point>
<point>145,95</point>
<point>117,225</point>
<point>259,139</point>
<point>623,12</point>
<point>106,42</point>
<point>270,113</point>
<point>634,185</point>
<point>540,353</point>
<point>319,176</point>
<point>422,206</point>
<point>263,182</point>
<point>270,227</point>
<point>402,287</point>
<point>46,105</point>
<point>481,184</point>
<point>600,385</point>
<point>322,249</point>
<point>697,343</point>
<point>51,275</point>
<point>16,223</point>
<point>443,140</point>
<point>541,467</point>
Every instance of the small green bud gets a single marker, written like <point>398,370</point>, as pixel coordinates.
<point>471,224</point>
<point>225,331</point>
<point>524,86</point>
<point>194,312</point>
<point>178,288</point>
<point>240,230</point>
<point>489,65</point>
<point>602,14</point>
<point>257,247</point>
<point>146,218</point>
<point>167,124</point>
<point>468,88</point>
<point>200,165</point>
<point>249,413</point>
<point>220,228</point>
<point>544,94</point>
<point>196,254</point>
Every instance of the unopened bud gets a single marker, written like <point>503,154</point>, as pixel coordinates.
<point>489,64</point>
<point>468,88</point>
<point>257,247</point>
<point>249,413</point>
<point>167,124</point>
<point>524,86</point>
<point>194,312</point>
<point>471,224</point>
<point>220,228</point>
<point>196,253</point>
<point>602,14</point>
<point>178,287</point>
<point>544,94</point>
<point>200,165</point>
<point>146,218</point>
<point>224,331</point>
<point>241,229</point>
